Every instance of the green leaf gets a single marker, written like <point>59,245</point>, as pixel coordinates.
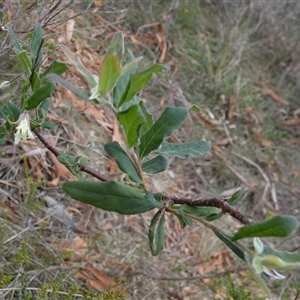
<point>123,161</point>
<point>26,85</point>
<point>34,81</point>
<point>197,211</point>
<point>156,232</point>
<point>288,257</point>
<point>147,117</point>
<point>14,39</point>
<point>56,67</point>
<point>155,165</point>
<point>131,65</point>
<point>48,125</point>
<point>138,81</point>
<point>279,226</point>
<point>183,219</point>
<point>130,120</point>
<point>88,76</point>
<point>3,135</point>
<point>40,95</point>
<point>167,123</point>
<point>43,109</point>
<point>110,72</point>
<point>214,217</point>
<point>154,200</point>
<point>12,112</point>
<point>111,196</point>
<point>231,245</point>
<point>194,108</point>
<point>117,44</point>
<point>36,40</point>
<point>273,262</point>
<point>41,117</point>
<point>72,88</point>
<point>184,150</point>
<point>236,196</point>
<point>111,66</point>
<point>123,81</point>
<point>134,101</point>
<point>25,61</point>
<point>2,112</point>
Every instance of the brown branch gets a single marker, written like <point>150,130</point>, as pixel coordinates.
<point>85,169</point>
<point>212,202</point>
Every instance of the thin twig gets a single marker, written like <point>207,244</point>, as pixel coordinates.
<point>233,170</point>
<point>250,162</point>
<point>269,184</point>
<point>27,228</point>
<point>274,196</point>
<point>85,169</point>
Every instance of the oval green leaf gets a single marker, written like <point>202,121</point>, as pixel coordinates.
<point>36,41</point>
<point>214,217</point>
<point>75,60</point>
<point>117,44</point>
<point>147,117</point>
<point>25,61</point>
<point>237,195</point>
<point>156,233</point>
<point>183,219</point>
<point>197,211</point>
<point>138,81</point>
<point>56,67</point>
<point>131,121</point>
<point>289,257</point>
<point>14,39</point>
<point>178,211</point>
<point>279,226</point>
<point>40,95</point>
<point>154,199</point>
<point>111,196</point>
<point>35,81</point>
<point>156,165</point>
<point>168,122</point>
<point>11,111</point>
<point>195,108</point>
<point>124,79</point>
<point>85,95</point>
<point>123,161</point>
<point>110,72</point>
<point>37,47</point>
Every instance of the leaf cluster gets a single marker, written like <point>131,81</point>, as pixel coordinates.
<point>146,151</point>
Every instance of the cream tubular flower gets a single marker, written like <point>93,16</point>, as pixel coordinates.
<point>23,131</point>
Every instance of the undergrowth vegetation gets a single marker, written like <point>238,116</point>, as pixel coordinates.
<point>184,162</point>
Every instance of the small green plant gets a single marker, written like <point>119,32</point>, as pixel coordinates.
<point>146,152</point>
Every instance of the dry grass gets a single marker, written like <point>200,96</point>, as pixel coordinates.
<point>239,63</point>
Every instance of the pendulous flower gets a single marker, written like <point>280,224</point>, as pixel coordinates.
<point>23,131</point>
